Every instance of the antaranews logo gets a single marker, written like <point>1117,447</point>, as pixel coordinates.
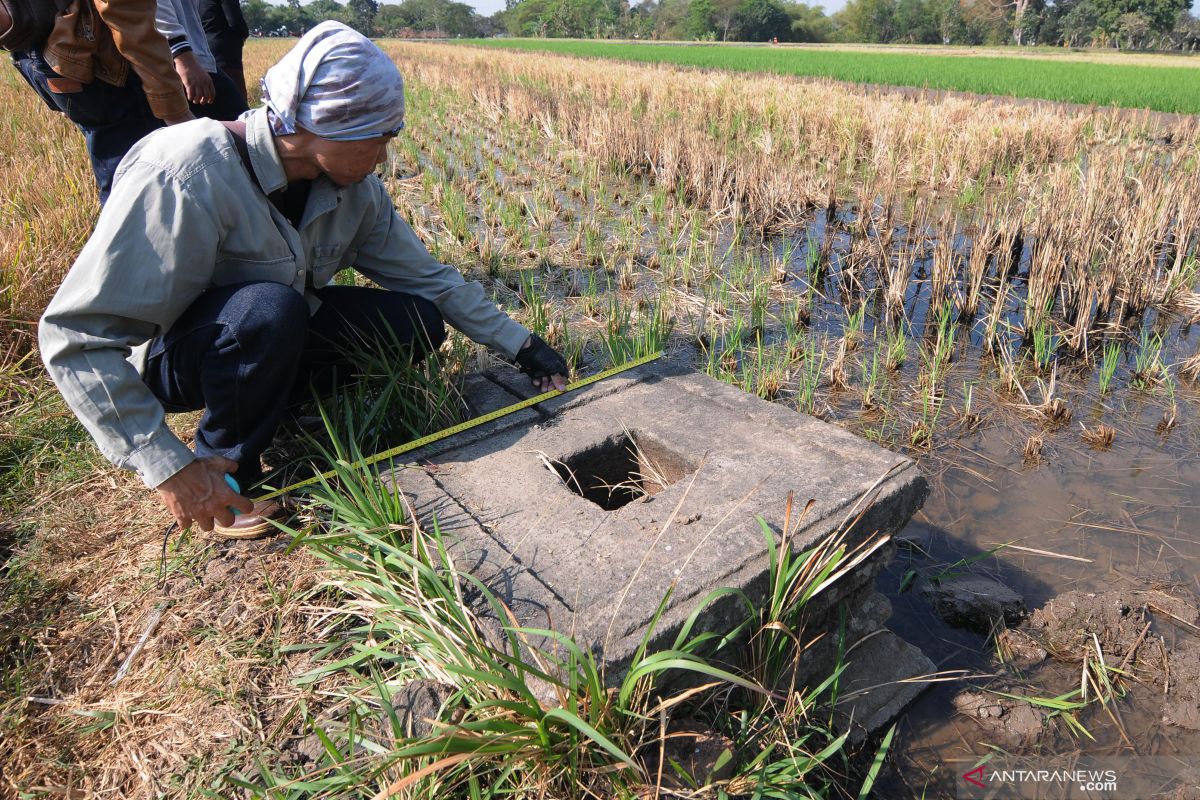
<point>1077,776</point>
<point>975,777</point>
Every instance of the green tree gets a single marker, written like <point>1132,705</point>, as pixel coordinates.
<point>809,23</point>
<point>361,15</point>
<point>869,20</point>
<point>913,23</point>
<point>700,19</point>
<point>761,20</point>
<point>1161,15</point>
<point>257,14</point>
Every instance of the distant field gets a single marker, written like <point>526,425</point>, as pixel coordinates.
<point>1135,85</point>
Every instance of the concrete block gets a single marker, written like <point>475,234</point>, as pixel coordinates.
<point>655,480</point>
<point>877,683</point>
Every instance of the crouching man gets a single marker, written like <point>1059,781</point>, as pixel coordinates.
<point>207,282</point>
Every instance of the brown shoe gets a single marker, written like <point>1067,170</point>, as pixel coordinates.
<point>254,524</point>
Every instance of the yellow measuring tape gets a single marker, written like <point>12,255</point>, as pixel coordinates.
<point>417,444</point>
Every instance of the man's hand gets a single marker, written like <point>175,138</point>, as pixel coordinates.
<point>196,82</point>
<point>545,367</point>
<point>198,493</point>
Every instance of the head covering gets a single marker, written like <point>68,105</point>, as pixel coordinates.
<point>337,84</point>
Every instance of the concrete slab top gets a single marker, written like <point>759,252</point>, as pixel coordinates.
<point>649,482</point>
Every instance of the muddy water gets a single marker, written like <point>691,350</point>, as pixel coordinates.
<point>1127,517</point>
<point>1098,519</point>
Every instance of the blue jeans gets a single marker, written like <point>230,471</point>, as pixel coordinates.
<point>113,118</point>
<point>247,352</point>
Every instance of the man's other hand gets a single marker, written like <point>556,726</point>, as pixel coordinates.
<point>198,493</point>
<point>544,366</point>
<point>196,82</point>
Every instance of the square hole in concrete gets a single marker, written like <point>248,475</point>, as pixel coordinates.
<point>622,469</point>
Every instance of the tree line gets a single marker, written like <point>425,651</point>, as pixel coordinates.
<point>1123,24</point>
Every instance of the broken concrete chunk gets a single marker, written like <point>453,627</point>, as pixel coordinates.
<point>419,704</point>
<point>1006,722</point>
<point>975,603</point>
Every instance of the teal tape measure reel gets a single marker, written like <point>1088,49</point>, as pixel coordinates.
<point>233,484</point>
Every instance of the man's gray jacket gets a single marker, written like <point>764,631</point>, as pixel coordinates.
<point>185,215</point>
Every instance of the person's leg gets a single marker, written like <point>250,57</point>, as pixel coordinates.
<point>229,61</point>
<point>229,354</point>
<point>354,316</point>
<point>33,69</point>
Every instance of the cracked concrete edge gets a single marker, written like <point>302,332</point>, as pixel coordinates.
<point>898,498</point>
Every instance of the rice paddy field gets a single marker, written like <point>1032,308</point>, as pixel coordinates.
<point>1006,292</point>
<point>1158,83</point>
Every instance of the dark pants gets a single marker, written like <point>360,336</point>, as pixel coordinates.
<point>245,353</point>
<point>113,118</point>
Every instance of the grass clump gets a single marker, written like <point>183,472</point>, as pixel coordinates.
<point>528,712</point>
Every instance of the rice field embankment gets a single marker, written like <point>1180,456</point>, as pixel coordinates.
<point>1138,84</point>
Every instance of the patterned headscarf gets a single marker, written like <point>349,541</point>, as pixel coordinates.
<point>337,84</point>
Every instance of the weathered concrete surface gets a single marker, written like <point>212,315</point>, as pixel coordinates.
<point>696,462</point>
<point>975,603</point>
<point>872,688</point>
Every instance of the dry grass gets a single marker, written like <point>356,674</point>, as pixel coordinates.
<point>210,684</point>
<point>47,205</point>
<point>1100,436</point>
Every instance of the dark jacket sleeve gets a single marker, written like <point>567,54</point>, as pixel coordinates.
<point>235,18</point>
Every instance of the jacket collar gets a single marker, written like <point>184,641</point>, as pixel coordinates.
<point>264,158</point>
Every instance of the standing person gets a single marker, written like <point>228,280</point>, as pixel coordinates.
<point>108,69</point>
<point>208,282</point>
<point>212,93</point>
<point>227,31</point>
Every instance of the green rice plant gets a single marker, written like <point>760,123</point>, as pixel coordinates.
<point>872,380</point>
<point>1045,343</point>
<point>1130,85</point>
<point>624,340</point>
<point>935,358</point>
<point>853,328</point>
<point>722,352</point>
<point>1108,365</point>
<point>944,343</point>
<point>896,347</point>
<point>512,215</point>
<point>923,429</point>
<point>760,297</point>
<point>808,375</point>
<point>969,418</point>
<point>537,313</point>
<point>765,372</point>
<point>658,203</point>
<point>1148,367</point>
